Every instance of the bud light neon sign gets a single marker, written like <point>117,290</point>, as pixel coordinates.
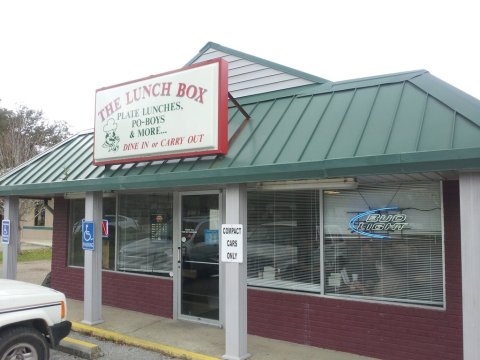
<point>370,222</point>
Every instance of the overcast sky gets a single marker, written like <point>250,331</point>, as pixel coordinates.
<point>55,54</point>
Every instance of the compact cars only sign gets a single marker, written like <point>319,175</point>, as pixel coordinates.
<point>232,243</point>
<point>177,114</point>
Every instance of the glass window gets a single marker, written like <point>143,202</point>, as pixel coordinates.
<point>385,242</point>
<point>381,242</point>
<point>283,240</point>
<point>75,251</point>
<point>144,227</point>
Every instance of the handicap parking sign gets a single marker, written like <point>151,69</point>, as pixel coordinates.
<point>6,232</point>
<point>88,242</point>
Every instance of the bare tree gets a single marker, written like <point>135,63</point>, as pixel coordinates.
<point>24,133</point>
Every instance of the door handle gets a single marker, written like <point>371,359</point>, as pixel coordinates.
<point>178,255</point>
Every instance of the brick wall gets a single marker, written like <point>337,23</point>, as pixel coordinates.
<point>376,330</point>
<point>140,293</point>
<point>150,295</point>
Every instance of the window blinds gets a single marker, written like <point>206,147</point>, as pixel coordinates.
<point>283,240</point>
<point>396,254</point>
<point>385,261</point>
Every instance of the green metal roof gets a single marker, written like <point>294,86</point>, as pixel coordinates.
<point>396,124</point>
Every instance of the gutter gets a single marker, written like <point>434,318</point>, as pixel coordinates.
<point>432,161</point>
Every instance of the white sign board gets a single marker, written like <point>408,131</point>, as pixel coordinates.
<point>232,243</point>
<point>181,113</point>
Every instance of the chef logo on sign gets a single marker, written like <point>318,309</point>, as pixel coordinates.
<point>111,138</point>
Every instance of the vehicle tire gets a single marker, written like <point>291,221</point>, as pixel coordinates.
<point>23,342</point>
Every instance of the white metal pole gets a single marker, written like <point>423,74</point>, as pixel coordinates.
<point>236,280</point>
<point>470,236</point>
<point>93,262</point>
<point>11,212</point>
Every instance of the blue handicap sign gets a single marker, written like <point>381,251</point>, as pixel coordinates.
<point>88,240</point>
<point>6,232</point>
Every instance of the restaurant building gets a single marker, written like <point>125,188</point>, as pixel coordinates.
<point>359,202</point>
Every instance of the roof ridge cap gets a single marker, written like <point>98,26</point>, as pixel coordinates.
<point>367,81</point>
<point>259,60</point>
<point>414,73</point>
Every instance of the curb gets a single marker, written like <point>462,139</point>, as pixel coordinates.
<point>141,343</point>
<point>79,348</point>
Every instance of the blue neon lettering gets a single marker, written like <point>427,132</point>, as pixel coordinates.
<point>378,222</point>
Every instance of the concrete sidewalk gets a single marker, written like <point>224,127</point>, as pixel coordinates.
<point>182,335</point>
<point>187,337</point>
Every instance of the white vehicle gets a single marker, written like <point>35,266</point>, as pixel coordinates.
<point>32,320</point>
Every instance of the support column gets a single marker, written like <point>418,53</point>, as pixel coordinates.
<point>236,280</point>
<point>470,230</point>
<point>92,295</point>
<point>11,212</point>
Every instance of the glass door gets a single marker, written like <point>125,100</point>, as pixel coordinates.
<point>199,258</point>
